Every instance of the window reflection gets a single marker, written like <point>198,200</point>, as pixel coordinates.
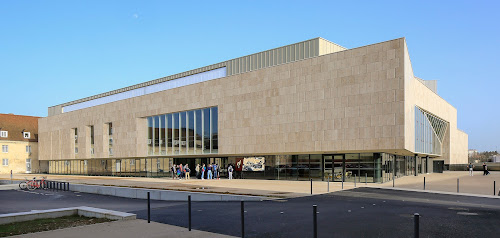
<point>188,132</point>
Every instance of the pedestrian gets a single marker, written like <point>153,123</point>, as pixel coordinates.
<point>203,168</point>
<point>471,169</point>
<point>230,171</point>
<point>181,168</point>
<point>174,171</point>
<point>187,171</point>
<point>485,169</point>
<point>215,171</point>
<point>209,175</point>
<point>197,169</point>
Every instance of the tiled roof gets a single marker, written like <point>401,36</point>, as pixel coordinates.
<point>15,124</point>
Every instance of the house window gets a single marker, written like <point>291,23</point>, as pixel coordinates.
<point>28,149</point>
<point>132,162</point>
<point>5,162</point>
<point>76,150</point>
<point>26,135</point>
<point>5,148</point>
<point>4,134</point>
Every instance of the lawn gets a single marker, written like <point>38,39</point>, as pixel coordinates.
<point>38,225</point>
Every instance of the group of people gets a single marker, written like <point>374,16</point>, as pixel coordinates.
<point>470,167</point>
<point>180,171</point>
<point>212,171</point>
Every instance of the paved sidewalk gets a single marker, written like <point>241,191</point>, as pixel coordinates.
<point>130,228</point>
<point>446,182</point>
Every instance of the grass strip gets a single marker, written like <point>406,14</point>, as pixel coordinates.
<point>47,224</point>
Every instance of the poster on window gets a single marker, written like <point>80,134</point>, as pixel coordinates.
<point>239,164</point>
<point>254,164</point>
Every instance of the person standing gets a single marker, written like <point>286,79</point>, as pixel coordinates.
<point>230,171</point>
<point>471,169</point>
<point>215,171</point>
<point>209,175</point>
<point>187,171</point>
<point>182,171</point>
<point>197,169</point>
<point>174,171</point>
<point>203,168</point>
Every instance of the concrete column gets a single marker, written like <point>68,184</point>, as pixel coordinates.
<point>427,164</point>
<point>416,165</point>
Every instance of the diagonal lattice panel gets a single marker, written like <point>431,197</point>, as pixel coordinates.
<point>438,125</point>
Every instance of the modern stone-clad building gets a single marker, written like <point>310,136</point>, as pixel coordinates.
<point>19,142</point>
<point>313,109</point>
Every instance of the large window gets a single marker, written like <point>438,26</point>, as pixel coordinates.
<point>429,132</point>
<point>5,148</point>
<point>187,132</point>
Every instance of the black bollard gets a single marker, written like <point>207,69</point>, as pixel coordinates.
<point>189,211</point>
<point>424,183</point>
<point>149,209</point>
<point>242,219</point>
<point>458,185</point>
<point>494,187</point>
<point>366,178</point>
<point>416,225</point>
<point>328,182</point>
<point>311,186</point>
<point>315,221</point>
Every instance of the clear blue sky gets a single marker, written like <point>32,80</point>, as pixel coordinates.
<point>52,52</point>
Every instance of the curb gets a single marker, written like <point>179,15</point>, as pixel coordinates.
<point>439,192</point>
<point>158,194</point>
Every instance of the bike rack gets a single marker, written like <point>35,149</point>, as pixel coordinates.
<point>58,185</point>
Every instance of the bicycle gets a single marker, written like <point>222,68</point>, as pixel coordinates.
<point>24,185</point>
<point>33,184</point>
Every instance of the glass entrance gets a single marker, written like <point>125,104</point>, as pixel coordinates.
<point>328,168</point>
<point>333,167</point>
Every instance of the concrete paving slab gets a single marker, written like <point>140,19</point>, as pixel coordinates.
<point>130,228</point>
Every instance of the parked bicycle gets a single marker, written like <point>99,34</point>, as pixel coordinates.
<point>32,184</point>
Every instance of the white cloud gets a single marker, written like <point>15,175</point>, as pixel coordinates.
<point>135,15</point>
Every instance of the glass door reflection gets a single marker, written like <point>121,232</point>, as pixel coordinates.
<point>328,167</point>
<point>338,168</point>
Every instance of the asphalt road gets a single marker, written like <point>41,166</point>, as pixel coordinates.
<point>363,212</point>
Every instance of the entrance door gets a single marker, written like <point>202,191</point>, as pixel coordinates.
<point>28,165</point>
<point>338,168</point>
<point>118,165</point>
<point>333,167</point>
<point>327,167</point>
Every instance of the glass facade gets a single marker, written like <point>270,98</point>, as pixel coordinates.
<point>429,132</point>
<point>184,133</point>
<point>359,167</point>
